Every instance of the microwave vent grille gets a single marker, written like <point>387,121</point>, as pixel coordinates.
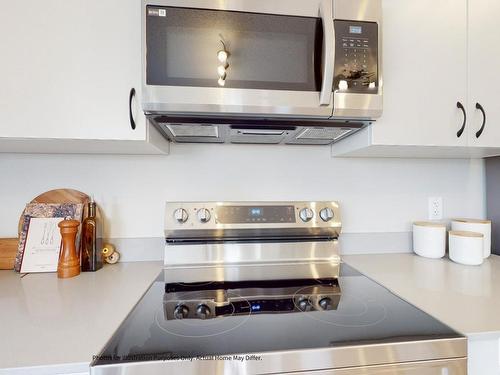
<point>193,130</point>
<point>323,133</point>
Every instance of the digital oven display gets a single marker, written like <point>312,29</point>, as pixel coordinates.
<point>255,214</point>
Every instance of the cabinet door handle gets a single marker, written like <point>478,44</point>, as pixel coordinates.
<point>480,131</point>
<point>131,117</point>
<point>461,130</point>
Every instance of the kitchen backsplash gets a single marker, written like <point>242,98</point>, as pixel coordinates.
<point>376,195</point>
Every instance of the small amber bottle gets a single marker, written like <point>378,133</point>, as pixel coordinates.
<point>91,242</point>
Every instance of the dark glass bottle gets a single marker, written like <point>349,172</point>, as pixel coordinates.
<point>91,242</point>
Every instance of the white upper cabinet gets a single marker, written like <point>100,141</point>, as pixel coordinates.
<point>66,72</point>
<point>426,91</point>
<point>484,73</point>
<point>424,67</point>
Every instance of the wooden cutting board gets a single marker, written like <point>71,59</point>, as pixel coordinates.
<point>8,251</point>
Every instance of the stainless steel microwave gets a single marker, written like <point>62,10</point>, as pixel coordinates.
<point>261,71</point>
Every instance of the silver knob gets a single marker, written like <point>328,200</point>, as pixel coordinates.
<point>203,215</point>
<point>181,312</point>
<point>203,311</point>
<point>306,214</point>
<point>326,214</point>
<point>304,304</point>
<point>325,303</point>
<point>181,215</point>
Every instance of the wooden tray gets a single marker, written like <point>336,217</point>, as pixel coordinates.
<point>8,251</point>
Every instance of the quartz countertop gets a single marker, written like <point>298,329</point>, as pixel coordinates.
<point>46,321</point>
<point>467,298</point>
<point>56,326</point>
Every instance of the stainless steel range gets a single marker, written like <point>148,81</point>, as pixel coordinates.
<point>259,288</point>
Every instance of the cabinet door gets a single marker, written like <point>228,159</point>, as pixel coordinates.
<point>484,76</point>
<point>424,72</point>
<point>67,69</point>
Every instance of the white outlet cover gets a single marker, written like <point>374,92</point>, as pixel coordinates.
<point>435,208</point>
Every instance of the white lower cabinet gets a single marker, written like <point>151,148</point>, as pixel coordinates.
<point>483,354</point>
<point>439,61</point>
<point>67,72</point>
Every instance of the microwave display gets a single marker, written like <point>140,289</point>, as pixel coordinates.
<point>355,30</point>
<point>356,57</point>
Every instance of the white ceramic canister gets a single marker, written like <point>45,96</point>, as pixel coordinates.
<point>466,247</point>
<point>429,239</point>
<point>475,225</point>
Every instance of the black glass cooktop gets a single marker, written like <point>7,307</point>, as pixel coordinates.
<point>366,313</point>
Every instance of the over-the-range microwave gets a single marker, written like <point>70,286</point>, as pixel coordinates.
<point>261,71</point>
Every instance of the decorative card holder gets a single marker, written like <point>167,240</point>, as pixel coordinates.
<point>40,239</point>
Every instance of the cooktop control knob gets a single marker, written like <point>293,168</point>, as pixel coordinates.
<point>181,312</point>
<point>203,215</point>
<point>325,303</point>
<point>203,311</point>
<point>304,304</point>
<point>326,214</point>
<point>181,215</point>
<point>306,214</point>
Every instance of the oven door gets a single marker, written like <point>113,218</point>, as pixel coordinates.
<point>278,60</point>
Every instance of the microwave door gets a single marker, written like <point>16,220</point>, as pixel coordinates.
<point>251,58</point>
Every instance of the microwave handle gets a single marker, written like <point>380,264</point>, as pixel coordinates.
<point>326,14</point>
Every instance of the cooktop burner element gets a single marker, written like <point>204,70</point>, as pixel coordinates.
<point>208,300</point>
<point>197,328</point>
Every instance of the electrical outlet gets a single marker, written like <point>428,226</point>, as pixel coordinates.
<point>435,208</point>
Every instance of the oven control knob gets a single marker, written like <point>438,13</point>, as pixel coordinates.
<point>325,303</point>
<point>181,215</point>
<point>326,214</point>
<point>304,304</point>
<point>203,311</point>
<point>203,215</point>
<point>306,214</point>
<point>181,312</point>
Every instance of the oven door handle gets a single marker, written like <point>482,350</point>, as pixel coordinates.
<point>326,14</point>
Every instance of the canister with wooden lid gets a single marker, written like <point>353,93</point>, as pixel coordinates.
<point>476,225</point>
<point>429,239</point>
<point>466,247</point>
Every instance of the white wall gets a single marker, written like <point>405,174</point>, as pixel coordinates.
<point>376,195</point>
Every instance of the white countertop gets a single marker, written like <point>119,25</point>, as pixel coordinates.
<point>45,321</point>
<point>467,298</point>
<point>50,322</point>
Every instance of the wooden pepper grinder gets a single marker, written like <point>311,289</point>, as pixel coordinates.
<point>69,264</point>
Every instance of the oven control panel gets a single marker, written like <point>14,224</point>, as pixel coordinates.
<point>356,57</point>
<point>255,214</point>
<point>220,218</point>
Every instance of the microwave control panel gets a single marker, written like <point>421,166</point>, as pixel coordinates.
<point>356,57</point>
